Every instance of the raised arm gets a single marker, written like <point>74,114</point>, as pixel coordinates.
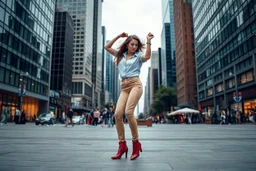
<point>108,46</point>
<point>148,47</point>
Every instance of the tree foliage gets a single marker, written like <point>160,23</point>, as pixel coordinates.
<point>164,98</point>
<point>141,116</point>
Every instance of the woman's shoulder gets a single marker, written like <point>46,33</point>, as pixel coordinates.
<point>139,53</point>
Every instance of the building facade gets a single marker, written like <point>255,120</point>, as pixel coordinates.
<point>147,94</point>
<point>153,75</point>
<point>103,64</point>
<point>225,44</point>
<point>97,53</point>
<point>82,12</point>
<point>168,59</point>
<point>159,67</point>
<point>26,31</point>
<point>185,55</point>
<point>62,58</point>
<point>109,78</point>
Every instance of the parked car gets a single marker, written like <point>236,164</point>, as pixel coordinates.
<point>45,118</point>
<point>78,120</point>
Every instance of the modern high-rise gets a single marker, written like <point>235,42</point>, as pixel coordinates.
<point>62,58</point>
<point>147,94</point>
<point>159,67</point>
<point>97,53</point>
<point>185,54</point>
<point>168,60</point>
<point>153,75</point>
<point>109,78</point>
<point>26,31</point>
<point>103,64</point>
<point>152,82</point>
<point>82,12</point>
<point>225,43</point>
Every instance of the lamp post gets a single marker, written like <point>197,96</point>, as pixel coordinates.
<point>22,88</point>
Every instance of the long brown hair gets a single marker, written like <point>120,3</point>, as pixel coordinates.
<point>123,47</point>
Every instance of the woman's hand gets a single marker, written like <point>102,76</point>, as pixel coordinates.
<point>150,36</point>
<point>123,35</point>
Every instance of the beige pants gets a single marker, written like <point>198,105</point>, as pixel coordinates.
<point>128,99</point>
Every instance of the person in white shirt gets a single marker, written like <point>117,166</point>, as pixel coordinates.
<point>17,116</point>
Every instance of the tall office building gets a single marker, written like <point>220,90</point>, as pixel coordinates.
<point>109,78</point>
<point>103,64</point>
<point>225,44</point>
<point>185,54</point>
<point>153,75</point>
<point>159,67</point>
<point>116,84</point>
<point>26,31</point>
<point>168,60</point>
<point>147,94</point>
<point>62,57</point>
<point>152,82</point>
<point>82,12</point>
<point>97,53</point>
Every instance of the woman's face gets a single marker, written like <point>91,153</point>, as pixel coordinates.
<point>132,46</point>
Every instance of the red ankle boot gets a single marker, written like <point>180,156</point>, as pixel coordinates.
<point>136,149</point>
<point>121,150</point>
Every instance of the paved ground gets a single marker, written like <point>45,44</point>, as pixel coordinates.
<point>165,147</point>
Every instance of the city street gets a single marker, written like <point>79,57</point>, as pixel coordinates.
<point>165,147</point>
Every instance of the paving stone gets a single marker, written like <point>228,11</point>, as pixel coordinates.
<point>165,147</point>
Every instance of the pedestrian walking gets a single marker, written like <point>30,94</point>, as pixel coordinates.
<point>17,116</point>
<point>96,116</point>
<point>105,116</point>
<point>5,114</point>
<point>223,117</point>
<point>129,59</point>
<point>69,118</point>
<point>51,119</point>
<point>111,115</point>
<point>251,116</point>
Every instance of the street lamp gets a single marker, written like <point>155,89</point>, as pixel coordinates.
<point>22,88</point>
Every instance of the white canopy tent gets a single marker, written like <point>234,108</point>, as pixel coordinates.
<point>184,110</point>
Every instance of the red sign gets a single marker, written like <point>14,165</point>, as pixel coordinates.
<point>240,94</point>
<point>234,94</point>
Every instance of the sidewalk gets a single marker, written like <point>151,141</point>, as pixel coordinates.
<point>165,147</point>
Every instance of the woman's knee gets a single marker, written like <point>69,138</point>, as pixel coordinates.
<point>118,115</point>
<point>130,116</point>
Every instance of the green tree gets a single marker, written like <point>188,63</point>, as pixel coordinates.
<point>141,116</point>
<point>164,98</point>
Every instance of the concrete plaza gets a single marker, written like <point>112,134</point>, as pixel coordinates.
<point>165,147</point>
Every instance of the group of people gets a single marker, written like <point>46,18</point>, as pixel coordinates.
<point>105,117</point>
<point>19,117</point>
<point>235,116</point>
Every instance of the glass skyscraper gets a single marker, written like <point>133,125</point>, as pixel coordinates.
<point>62,58</point>
<point>82,15</point>
<point>168,60</point>
<point>86,78</point>
<point>26,31</point>
<point>225,43</point>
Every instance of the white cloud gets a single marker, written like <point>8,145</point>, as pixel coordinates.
<point>134,17</point>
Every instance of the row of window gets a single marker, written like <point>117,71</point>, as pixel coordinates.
<point>11,78</point>
<point>22,48</point>
<point>77,88</point>
<point>204,24</point>
<point>229,72</point>
<point>244,48</point>
<point>23,17</point>
<point>227,32</point>
<point>217,37</point>
<point>230,83</point>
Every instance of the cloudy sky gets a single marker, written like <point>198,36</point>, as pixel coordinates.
<point>134,17</point>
